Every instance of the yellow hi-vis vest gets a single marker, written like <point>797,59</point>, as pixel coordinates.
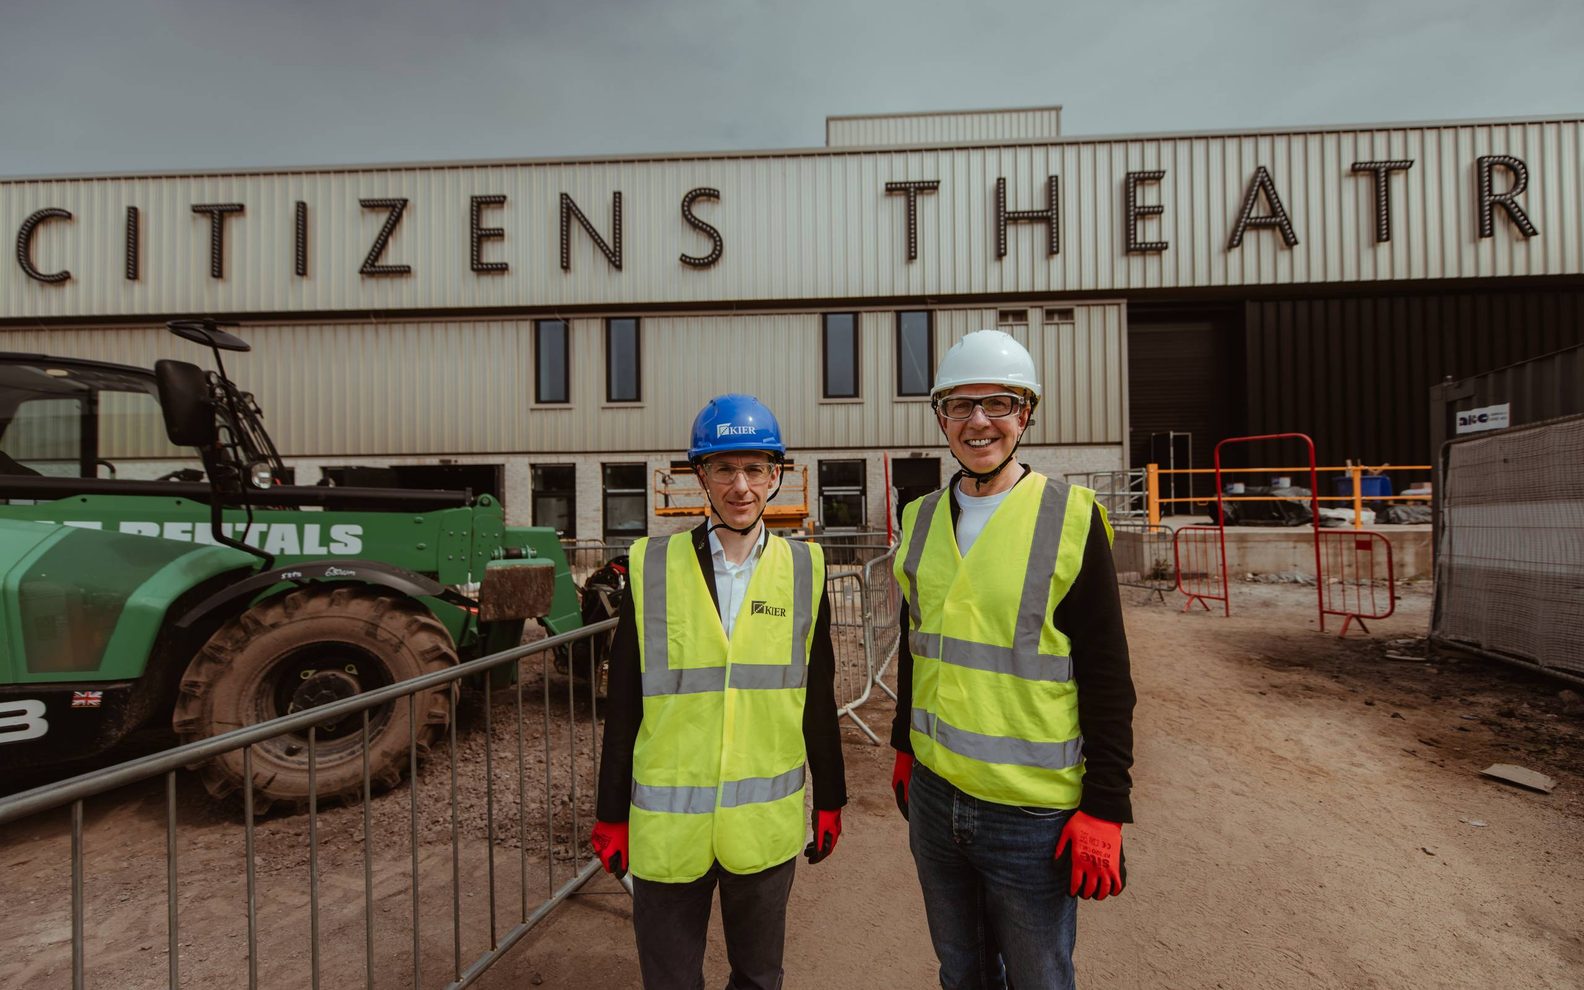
<point>995,709</point>
<point>718,765</point>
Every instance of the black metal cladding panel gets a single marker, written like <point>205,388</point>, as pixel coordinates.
<point>1545,387</point>
<point>1181,378</point>
<point>1355,373</point>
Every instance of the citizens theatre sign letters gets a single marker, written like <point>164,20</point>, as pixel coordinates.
<point>1495,187</point>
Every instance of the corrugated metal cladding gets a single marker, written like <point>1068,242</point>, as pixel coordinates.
<point>1546,387</point>
<point>421,387</point>
<point>809,225</point>
<point>1356,373</point>
<point>873,130</point>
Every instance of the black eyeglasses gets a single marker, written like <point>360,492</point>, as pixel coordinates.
<point>996,405</point>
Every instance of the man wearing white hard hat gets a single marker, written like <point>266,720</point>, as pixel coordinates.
<point>1014,724</point>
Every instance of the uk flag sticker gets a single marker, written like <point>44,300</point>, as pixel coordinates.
<point>87,699</point>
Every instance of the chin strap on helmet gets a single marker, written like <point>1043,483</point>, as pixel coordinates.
<point>982,478</point>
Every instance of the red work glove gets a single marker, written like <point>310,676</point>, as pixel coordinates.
<point>1095,858</point>
<point>610,845</point>
<point>827,829</point>
<point>901,779</point>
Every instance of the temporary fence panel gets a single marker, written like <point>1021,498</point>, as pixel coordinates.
<point>1143,555</point>
<point>1199,566</point>
<point>553,786</point>
<point>882,617</point>
<point>584,557</point>
<point>1123,494</point>
<point>861,592</point>
<point>1356,577</point>
<point>1510,561</point>
<point>845,592</point>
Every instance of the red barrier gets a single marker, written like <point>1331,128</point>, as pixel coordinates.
<point>1314,505</point>
<point>1352,566</point>
<point>1199,557</point>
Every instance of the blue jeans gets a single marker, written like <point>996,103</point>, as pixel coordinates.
<point>998,912</point>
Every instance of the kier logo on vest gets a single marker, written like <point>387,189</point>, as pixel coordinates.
<point>763,608</point>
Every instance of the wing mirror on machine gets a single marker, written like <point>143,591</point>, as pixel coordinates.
<point>184,399</point>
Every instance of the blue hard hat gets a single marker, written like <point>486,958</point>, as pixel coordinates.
<point>735,422</point>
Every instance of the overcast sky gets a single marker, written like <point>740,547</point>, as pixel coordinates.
<point>126,85</point>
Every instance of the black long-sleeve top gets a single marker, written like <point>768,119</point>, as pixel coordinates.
<point>624,707</point>
<point>1090,614</point>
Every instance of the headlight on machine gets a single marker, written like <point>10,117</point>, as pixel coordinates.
<point>261,475</point>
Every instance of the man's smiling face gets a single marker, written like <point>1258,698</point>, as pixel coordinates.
<point>980,442</point>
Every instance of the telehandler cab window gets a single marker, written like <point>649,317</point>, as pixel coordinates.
<point>79,421</point>
<point>43,436</point>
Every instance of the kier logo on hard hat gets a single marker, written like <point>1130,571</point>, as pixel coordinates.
<point>728,430</point>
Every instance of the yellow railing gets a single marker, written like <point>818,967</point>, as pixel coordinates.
<point>1357,473</point>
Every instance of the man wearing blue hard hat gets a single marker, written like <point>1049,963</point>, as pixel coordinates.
<point>722,688</point>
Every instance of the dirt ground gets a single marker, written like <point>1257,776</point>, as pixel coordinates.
<point>1310,814</point>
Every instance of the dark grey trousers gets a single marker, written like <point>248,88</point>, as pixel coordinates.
<point>671,921</point>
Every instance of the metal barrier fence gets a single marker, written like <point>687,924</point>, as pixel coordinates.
<point>1123,494</point>
<point>584,557</point>
<point>1510,548</point>
<point>1143,554</point>
<point>565,764</point>
<point>864,632</point>
<point>1199,566</point>
<point>1353,566</point>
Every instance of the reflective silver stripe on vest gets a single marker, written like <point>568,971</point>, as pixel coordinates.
<point>1043,550</point>
<point>1026,663</point>
<point>998,749</point>
<point>681,681</point>
<point>923,644</point>
<point>915,553</point>
<point>802,595</point>
<point>760,790</point>
<point>767,676</point>
<point>674,800</point>
<point>656,643</point>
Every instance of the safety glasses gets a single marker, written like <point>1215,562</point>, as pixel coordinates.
<point>996,405</point>
<point>755,473</point>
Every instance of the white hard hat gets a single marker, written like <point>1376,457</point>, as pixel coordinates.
<point>986,357</point>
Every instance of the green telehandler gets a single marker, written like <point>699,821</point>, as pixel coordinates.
<point>208,595</point>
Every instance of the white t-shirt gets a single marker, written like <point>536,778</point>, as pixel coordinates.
<point>976,511</point>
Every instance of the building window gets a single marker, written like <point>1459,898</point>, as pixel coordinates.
<point>626,503</point>
<point>841,355</point>
<point>554,495</point>
<point>842,497</point>
<point>621,361</point>
<point>915,346</point>
<point>550,361</point>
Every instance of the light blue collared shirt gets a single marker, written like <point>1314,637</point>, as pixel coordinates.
<point>731,580</point>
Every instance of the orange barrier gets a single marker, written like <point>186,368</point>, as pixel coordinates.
<point>1352,565</point>
<point>1199,558</point>
<point>1359,474</point>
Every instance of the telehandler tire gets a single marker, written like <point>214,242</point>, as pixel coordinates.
<point>307,648</point>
